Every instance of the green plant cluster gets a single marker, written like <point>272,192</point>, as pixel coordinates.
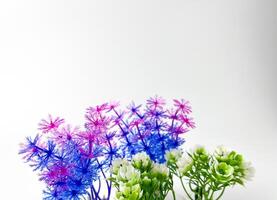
<point>141,179</point>
<point>203,175</point>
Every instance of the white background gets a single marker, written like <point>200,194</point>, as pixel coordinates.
<point>59,57</point>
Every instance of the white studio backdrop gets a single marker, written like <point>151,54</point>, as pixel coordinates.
<point>60,57</point>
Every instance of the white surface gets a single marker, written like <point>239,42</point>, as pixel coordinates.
<point>59,57</point>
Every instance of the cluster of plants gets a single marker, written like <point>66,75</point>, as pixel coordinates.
<point>203,176</point>
<point>135,151</point>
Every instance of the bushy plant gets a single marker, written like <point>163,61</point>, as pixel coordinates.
<point>206,176</point>
<point>74,161</point>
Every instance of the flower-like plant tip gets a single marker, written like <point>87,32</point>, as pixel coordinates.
<point>223,172</point>
<point>184,164</point>
<point>173,155</point>
<point>127,173</point>
<point>30,149</point>
<point>155,103</point>
<point>51,124</point>
<point>221,151</point>
<point>97,110</point>
<point>141,161</point>
<point>134,110</point>
<point>50,194</point>
<point>160,170</point>
<point>117,163</point>
<point>186,120</point>
<point>66,134</point>
<point>112,105</point>
<point>182,106</point>
<point>249,171</point>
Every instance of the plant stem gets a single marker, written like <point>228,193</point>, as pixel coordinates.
<point>185,189</point>
<point>220,195</point>
<point>212,194</point>
<point>173,194</point>
<point>108,183</point>
<point>89,196</point>
<point>94,191</point>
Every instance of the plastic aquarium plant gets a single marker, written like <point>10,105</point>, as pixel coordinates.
<point>203,176</point>
<point>74,162</point>
<point>141,178</point>
<point>206,176</point>
<point>70,160</point>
